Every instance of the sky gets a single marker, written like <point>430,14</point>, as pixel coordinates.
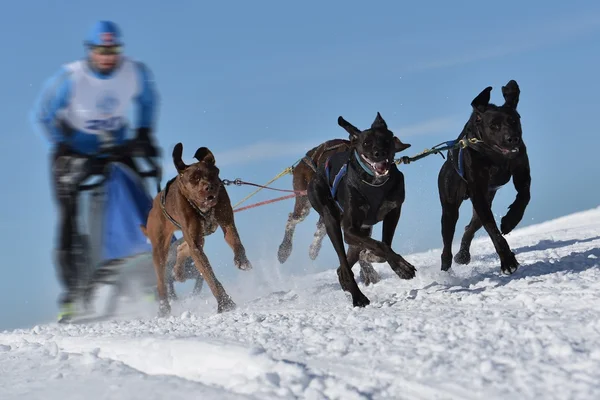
<point>261,82</point>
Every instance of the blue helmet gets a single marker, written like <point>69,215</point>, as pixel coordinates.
<point>104,33</point>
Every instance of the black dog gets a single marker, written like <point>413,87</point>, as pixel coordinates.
<point>355,190</point>
<point>494,153</point>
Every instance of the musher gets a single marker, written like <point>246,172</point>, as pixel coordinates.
<point>82,109</point>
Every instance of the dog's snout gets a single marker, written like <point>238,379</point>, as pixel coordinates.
<point>512,139</point>
<point>209,187</point>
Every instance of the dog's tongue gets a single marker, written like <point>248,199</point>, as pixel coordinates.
<point>381,167</point>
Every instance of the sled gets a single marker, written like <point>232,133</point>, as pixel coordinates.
<point>114,253</point>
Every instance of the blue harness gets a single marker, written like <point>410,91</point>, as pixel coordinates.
<point>340,175</point>
<point>460,167</point>
<point>336,181</point>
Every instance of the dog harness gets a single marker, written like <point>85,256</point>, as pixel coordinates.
<point>210,225</point>
<point>456,157</point>
<point>337,168</point>
<point>333,186</point>
<point>327,146</point>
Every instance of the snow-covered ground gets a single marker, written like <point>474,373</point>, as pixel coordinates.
<point>468,334</point>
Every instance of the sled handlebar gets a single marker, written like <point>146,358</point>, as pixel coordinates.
<point>126,151</point>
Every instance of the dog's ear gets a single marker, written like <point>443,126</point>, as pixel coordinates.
<point>511,94</point>
<point>482,100</point>
<point>351,129</point>
<point>177,152</point>
<point>379,123</point>
<point>204,155</point>
<point>399,146</point>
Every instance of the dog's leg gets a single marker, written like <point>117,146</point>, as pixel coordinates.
<point>522,183</point>
<point>171,295</point>
<point>368,274</point>
<point>198,286</point>
<point>322,202</point>
<point>354,236</point>
<point>390,223</point>
<point>160,249</point>
<point>399,265</point>
<point>452,192</point>
<point>315,246</point>
<point>225,219</point>
<point>184,260</point>
<point>195,240</point>
<point>449,218</point>
<point>508,261</point>
<point>233,240</point>
<point>464,254</point>
<point>183,252</point>
<point>301,211</point>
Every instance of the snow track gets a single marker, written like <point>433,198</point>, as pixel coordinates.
<point>471,333</point>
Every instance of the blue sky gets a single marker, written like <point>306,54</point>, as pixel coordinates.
<point>260,82</point>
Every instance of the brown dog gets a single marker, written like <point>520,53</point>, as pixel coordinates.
<point>301,175</point>
<point>194,202</point>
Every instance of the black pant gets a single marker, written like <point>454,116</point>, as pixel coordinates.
<point>69,169</point>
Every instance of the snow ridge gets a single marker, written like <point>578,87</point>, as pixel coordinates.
<point>471,333</point>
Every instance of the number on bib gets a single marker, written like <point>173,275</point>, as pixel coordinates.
<point>109,124</point>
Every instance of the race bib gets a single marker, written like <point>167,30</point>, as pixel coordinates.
<point>108,124</point>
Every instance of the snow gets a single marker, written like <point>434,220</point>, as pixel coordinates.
<point>472,333</point>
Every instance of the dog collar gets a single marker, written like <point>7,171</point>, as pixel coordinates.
<point>362,164</point>
<point>206,215</point>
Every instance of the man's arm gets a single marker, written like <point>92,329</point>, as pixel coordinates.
<point>147,99</point>
<point>53,97</point>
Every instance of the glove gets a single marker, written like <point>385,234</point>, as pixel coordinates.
<point>143,134</point>
<point>145,143</point>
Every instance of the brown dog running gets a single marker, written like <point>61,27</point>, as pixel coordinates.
<point>194,202</point>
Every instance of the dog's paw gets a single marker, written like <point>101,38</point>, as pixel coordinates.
<point>446,261</point>
<point>179,273</point>
<point>225,304</point>
<point>360,300</point>
<point>370,257</point>
<point>510,266</point>
<point>164,309</point>
<point>368,274</point>
<point>463,257</point>
<point>401,267</point>
<point>507,224</point>
<point>242,262</point>
<point>284,252</point>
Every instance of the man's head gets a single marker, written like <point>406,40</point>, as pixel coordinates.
<point>104,45</point>
<point>376,146</point>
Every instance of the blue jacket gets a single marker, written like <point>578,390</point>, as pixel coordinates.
<point>55,113</point>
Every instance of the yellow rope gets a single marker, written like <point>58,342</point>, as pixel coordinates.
<point>286,171</point>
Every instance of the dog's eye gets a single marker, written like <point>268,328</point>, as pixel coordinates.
<point>495,126</point>
<point>512,121</point>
